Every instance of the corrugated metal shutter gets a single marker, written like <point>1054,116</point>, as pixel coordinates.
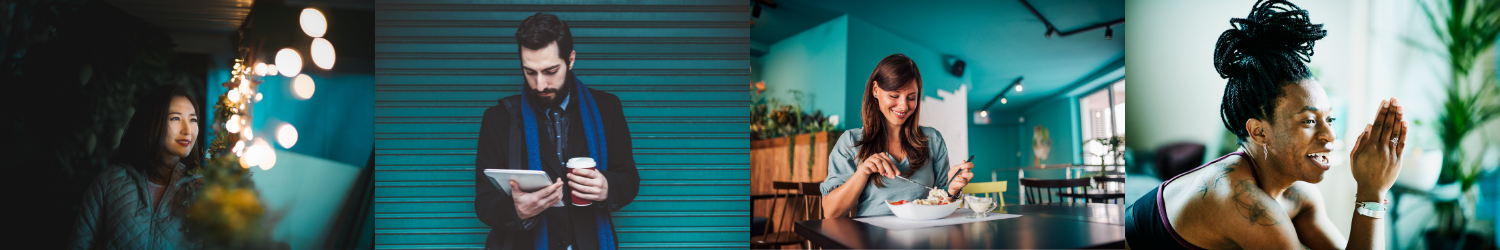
<point>680,69</point>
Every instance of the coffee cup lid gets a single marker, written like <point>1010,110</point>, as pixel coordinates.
<point>581,162</point>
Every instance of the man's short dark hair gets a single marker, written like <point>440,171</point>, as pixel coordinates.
<point>541,29</point>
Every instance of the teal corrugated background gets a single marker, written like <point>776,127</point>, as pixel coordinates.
<point>680,68</point>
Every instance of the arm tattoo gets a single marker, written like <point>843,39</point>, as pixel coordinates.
<point>1248,202</point>
<point>1295,196</point>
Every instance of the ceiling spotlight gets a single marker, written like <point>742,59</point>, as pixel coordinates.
<point>1109,33</point>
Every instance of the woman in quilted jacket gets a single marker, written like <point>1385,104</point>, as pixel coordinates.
<point>140,202</point>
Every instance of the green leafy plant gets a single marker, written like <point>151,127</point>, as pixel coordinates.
<point>1468,30</point>
<point>770,118</point>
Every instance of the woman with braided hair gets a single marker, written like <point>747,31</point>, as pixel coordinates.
<point>1262,196</point>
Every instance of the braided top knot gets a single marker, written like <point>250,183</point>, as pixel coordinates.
<point>1262,52</point>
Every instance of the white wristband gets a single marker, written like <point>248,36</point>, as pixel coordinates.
<point>1371,209</point>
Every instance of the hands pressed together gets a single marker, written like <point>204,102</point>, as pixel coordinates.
<point>1376,157</point>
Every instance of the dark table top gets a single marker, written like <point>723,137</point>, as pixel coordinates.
<point>1095,196</point>
<point>1053,226</point>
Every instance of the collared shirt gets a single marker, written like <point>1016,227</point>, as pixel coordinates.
<point>843,162</point>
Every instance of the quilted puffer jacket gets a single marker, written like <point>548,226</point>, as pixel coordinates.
<point>117,213</point>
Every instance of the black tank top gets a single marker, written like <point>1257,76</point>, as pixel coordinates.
<point>1146,223</point>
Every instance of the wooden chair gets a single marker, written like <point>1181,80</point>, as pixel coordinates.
<point>799,201</point>
<point>1104,180</point>
<point>994,189</point>
<point>1036,187</point>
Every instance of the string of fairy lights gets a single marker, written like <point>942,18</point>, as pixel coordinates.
<point>257,151</point>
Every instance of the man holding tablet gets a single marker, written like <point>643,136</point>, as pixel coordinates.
<point>556,123</point>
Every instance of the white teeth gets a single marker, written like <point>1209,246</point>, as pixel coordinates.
<point>1317,154</point>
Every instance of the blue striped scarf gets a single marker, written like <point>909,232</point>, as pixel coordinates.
<point>593,129</point>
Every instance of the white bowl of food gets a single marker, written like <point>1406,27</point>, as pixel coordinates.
<point>922,209</point>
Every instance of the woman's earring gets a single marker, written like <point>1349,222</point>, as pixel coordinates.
<point>1265,156</point>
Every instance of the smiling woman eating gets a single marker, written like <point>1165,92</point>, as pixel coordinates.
<point>1263,196</point>
<point>865,161</point>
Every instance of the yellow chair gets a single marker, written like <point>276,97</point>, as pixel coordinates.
<point>997,188</point>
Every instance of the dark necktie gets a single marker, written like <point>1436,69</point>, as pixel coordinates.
<point>557,131</point>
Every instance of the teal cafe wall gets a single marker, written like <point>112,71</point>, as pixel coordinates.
<point>869,43</point>
<point>845,50</point>
<point>813,62</point>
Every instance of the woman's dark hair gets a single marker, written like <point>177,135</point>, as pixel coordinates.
<point>541,29</point>
<point>894,72</point>
<point>1263,52</point>
<point>141,147</point>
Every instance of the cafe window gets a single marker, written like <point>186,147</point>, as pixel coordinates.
<point>1102,116</point>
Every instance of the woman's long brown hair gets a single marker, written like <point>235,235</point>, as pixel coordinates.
<point>892,73</point>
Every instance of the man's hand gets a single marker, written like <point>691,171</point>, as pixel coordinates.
<point>531,204</point>
<point>588,184</point>
<point>1377,153</point>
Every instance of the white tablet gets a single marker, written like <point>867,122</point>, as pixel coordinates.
<point>527,180</point>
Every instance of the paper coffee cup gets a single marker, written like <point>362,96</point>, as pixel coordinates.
<point>581,163</point>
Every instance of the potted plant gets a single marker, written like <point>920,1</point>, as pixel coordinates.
<point>770,119</point>
<point>1468,30</point>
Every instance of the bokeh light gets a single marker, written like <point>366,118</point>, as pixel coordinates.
<point>303,87</point>
<point>322,53</point>
<point>286,135</point>
<point>313,22</point>
<point>289,62</point>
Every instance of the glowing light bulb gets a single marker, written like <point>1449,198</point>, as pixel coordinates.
<point>1018,88</point>
<point>303,87</point>
<point>234,95</point>
<point>260,69</point>
<point>286,135</point>
<point>233,124</point>
<point>313,22</point>
<point>268,159</point>
<point>1002,100</point>
<point>271,69</point>
<point>248,133</point>
<point>983,113</point>
<point>260,153</point>
<point>289,62</point>
<point>258,96</point>
<point>322,53</point>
